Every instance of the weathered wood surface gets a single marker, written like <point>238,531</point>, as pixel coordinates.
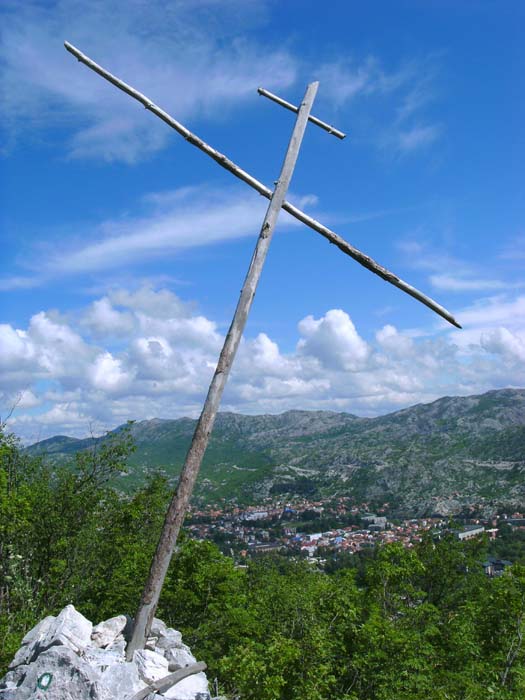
<point>167,682</point>
<point>288,105</point>
<point>229,165</point>
<point>179,503</point>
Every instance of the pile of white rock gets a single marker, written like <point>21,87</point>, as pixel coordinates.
<point>67,658</point>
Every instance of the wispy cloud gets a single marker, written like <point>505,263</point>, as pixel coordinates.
<point>171,221</point>
<point>417,137</point>
<point>345,79</point>
<point>460,275</point>
<point>405,94</point>
<point>185,64</point>
<point>19,282</point>
<point>453,283</point>
<point>342,81</point>
<point>515,250</point>
<point>498,310</point>
<point>413,129</point>
<point>194,59</point>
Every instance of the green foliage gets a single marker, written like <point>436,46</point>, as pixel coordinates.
<point>55,524</point>
<point>510,544</point>
<point>417,624</point>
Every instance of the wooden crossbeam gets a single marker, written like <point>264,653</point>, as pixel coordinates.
<point>363,259</point>
<point>288,105</point>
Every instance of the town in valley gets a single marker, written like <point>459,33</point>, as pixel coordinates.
<point>324,531</point>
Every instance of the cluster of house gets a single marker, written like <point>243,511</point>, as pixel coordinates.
<point>281,527</point>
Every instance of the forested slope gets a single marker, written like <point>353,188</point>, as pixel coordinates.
<point>421,623</point>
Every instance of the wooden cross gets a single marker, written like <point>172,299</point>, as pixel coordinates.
<point>180,501</point>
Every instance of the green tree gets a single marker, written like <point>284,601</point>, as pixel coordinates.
<point>52,520</point>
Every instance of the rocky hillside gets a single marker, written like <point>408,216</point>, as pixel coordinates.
<point>435,457</point>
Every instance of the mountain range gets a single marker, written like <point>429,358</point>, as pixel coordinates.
<point>443,457</point>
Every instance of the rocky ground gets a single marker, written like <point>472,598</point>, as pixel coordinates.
<point>435,458</point>
<point>67,658</point>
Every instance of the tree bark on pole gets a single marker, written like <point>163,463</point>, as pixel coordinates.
<point>179,504</point>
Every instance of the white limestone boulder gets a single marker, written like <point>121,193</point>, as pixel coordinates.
<point>38,631</point>
<point>70,628</point>
<point>105,633</point>
<point>169,638</point>
<point>151,666</point>
<point>179,658</point>
<point>59,674</point>
<point>9,694</point>
<point>13,678</point>
<point>66,658</point>
<point>190,688</point>
<point>151,643</point>
<point>31,643</point>
<point>158,627</point>
<point>119,682</point>
<point>101,659</point>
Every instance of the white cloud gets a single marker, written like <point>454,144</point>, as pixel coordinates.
<point>170,223</point>
<point>27,399</point>
<point>208,217</point>
<point>334,341</point>
<point>515,250</point>
<point>59,350</point>
<point>60,419</point>
<point>19,282</point>
<point>189,58</point>
<point>394,342</point>
<point>405,95</point>
<point>16,401</point>
<point>343,81</point>
<point>504,342</point>
<point>16,349</point>
<point>419,94</point>
<point>454,283</point>
<point>459,276</point>
<point>193,59</point>
<point>417,137</point>
<point>161,304</point>
<point>108,374</point>
<point>103,319</point>
<point>497,325</point>
<point>496,311</point>
<point>168,351</point>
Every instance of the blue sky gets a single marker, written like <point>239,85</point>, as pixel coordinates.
<point>124,248</point>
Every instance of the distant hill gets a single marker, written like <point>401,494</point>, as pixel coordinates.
<point>430,458</point>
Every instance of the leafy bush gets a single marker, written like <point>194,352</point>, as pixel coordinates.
<point>421,623</point>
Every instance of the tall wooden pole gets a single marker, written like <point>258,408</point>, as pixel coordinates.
<point>179,504</point>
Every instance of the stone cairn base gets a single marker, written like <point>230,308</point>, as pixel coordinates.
<point>67,658</point>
